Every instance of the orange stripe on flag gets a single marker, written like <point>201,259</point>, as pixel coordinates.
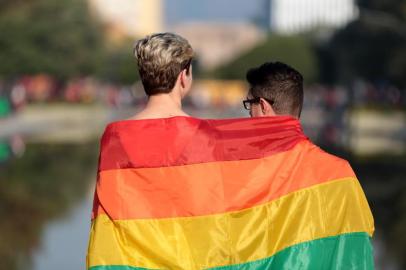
<point>215,187</point>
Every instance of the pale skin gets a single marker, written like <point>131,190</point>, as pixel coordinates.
<point>263,108</point>
<point>168,105</point>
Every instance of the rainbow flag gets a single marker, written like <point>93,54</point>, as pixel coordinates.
<point>188,193</point>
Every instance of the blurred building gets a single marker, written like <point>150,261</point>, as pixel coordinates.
<point>216,43</point>
<point>129,17</point>
<point>291,16</point>
<point>264,18</point>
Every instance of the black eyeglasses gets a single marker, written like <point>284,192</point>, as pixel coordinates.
<point>247,103</point>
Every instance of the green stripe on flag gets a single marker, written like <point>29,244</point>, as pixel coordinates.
<point>347,251</point>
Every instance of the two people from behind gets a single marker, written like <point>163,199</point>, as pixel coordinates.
<point>178,192</point>
<point>164,62</point>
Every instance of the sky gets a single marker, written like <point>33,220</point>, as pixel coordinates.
<point>177,11</point>
<point>289,15</point>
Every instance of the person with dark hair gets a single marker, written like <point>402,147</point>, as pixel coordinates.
<point>276,94</point>
<point>275,89</point>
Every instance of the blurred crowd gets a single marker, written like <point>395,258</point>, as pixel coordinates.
<point>360,93</point>
<point>46,89</point>
<point>325,114</point>
<point>325,107</point>
<point>207,94</point>
<point>331,108</point>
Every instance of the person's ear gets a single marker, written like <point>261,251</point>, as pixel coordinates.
<point>182,78</point>
<point>266,108</point>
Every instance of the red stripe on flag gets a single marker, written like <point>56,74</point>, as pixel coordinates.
<point>185,140</point>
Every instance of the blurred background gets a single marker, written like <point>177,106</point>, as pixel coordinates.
<point>66,69</point>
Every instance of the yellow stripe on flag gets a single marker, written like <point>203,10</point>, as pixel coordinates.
<point>327,209</point>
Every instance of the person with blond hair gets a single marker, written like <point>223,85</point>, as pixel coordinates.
<point>164,62</point>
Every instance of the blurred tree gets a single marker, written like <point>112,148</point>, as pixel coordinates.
<point>120,65</point>
<point>54,37</point>
<point>6,4</point>
<point>396,8</point>
<point>373,47</point>
<point>293,50</point>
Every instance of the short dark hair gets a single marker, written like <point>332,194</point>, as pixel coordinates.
<point>280,83</point>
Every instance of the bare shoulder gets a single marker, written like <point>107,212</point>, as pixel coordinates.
<point>149,114</point>
<point>142,115</point>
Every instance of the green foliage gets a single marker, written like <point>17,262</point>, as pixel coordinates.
<point>398,235</point>
<point>295,51</point>
<point>120,65</point>
<point>5,107</point>
<point>47,36</point>
<point>367,51</point>
<point>396,8</point>
<point>373,47</point>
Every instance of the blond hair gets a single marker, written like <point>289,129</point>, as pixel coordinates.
<point>161,57</point>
